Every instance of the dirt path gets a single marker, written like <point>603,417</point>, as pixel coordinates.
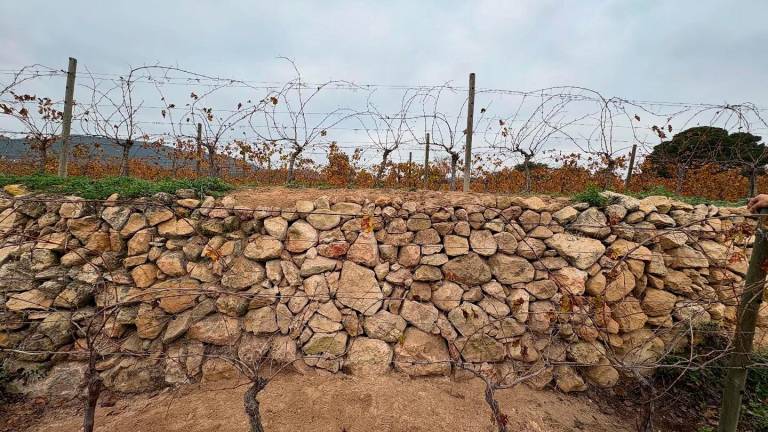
<point>323,403</point>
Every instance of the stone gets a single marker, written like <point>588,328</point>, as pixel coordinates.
<point>359,289</point>
<point>592,222</point>
<point>455,245</point>
<point>565,215</point>
<point>317,265</point>
<point>242,274</point>
<point>480,348</point>
<point>172,263</point>
<point>568,380</point>
<point>469,319</point>
<point>427,273</point>
<point>323,219</point>
<point>176,228</point>
<point>262,320</point>
<point>364,250</point>
<point>510,269</point>
<point>483,242</point>
<point>506,242</point>
<point>467,269</point>
<point>276,227</point>
<point>116,217</point>
<point>150,321</point>
<point>658,302</point>
<point>175,295</point>
<point>531,248</point>
<point>685,257</point>
<point>320,324</point>
<point>447,296</point>
<point>603,375</point>
<point>419,222</point>
<point>410,256</point>
<point>28,300</point>
<point>264,248</point>
<point>581,252</point>
<point>422,354</point>
<point>629,314</point>
<point>300,237</point>
<point>216,329</point>
<point>421,315</point>
<point>333,344</point>
<point>494,307</point>
<point>144,275</point>
<point>368,357</point>
<point>542,289</point>
<point>385,326</point>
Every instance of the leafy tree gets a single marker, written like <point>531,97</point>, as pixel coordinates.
<point>702,145</point>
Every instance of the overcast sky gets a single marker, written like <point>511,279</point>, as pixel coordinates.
<point>692,51</point>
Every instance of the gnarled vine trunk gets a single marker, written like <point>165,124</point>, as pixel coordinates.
<point>252,404</point>
<point>124,167</point>
<point>454,163</point>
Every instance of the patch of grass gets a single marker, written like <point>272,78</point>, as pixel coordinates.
<point>591,195</point>
<point>692,200</point>
<point>126,187</point>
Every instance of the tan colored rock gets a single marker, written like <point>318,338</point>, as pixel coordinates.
<point>581,252</point>
<point>28,300</point>
<point>421,315</point>
<point>385,326</point>
<point>568,380</point>
<point>469,319</point>
<point>262,320</point>
<point>242,274</point>
<point>368,357</point>
<point>216,329</point>
<point>510,269</point>
<point>144,275</point>
<point>422,354</point>
<point>658,303</point>
<point>629,314</point>
<point>359,289</point>
<point>172,263</point>
<point>300,237</point>
<point>176,228</point>
<point>455,245</point>
<point>263,248</point>
<point>467,269</point>
<point>364,250</point>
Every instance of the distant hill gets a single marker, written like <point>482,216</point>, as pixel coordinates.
<point>18,149</point>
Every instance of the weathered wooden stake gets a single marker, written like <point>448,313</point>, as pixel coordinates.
<point>746,314</point>
<point>426,163</point>
<point>470,122</point>
<point>66,127</point>
<point>631,167</point>
<point>198,159</point>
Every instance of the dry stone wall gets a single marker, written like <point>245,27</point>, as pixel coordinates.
<point>510,285</point>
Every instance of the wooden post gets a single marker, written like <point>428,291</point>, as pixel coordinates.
<point>746,314</point>
<point>631,167</point>
<point>198,159</point>
<point>426,163</point>
<point>410,162</point>
<point>66,127</point>
<point>470,122</point>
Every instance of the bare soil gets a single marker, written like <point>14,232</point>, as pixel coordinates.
<point>294,402</point>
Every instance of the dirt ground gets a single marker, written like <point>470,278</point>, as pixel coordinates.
<point>278,196</point>
<point>297,403</point>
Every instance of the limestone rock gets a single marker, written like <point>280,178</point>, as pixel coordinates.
<point>359,289</point>
<point>367,357</point>
<point>422,354</point>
